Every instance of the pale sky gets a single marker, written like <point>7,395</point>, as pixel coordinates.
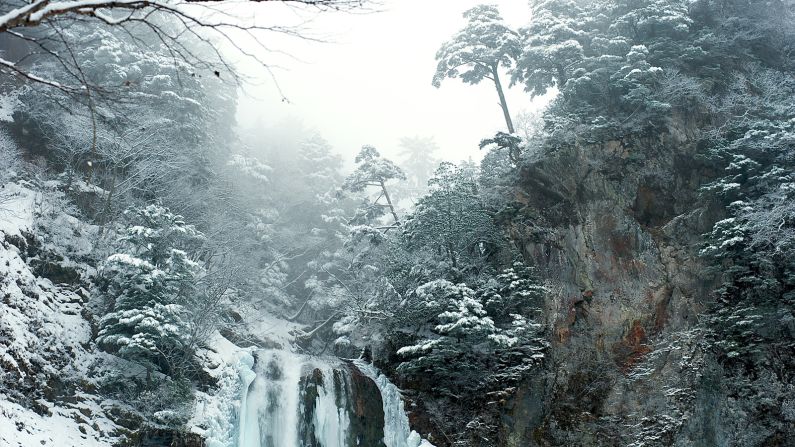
<point>372,83</point>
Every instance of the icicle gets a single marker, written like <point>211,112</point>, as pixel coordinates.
<point>291,376</point>
<point>246,373</point>
<point>331,420</point>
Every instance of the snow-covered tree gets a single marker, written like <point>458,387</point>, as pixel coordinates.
<point>453,220</point>
<point>151,129</point>
<point>321,166</point>
<point>552,45</point>
<point>752,248</point>
<point>374,171</point>
<point>479,51</point>
<point>605,57</point>
<point>491,330</point>
<point>512,144</point>
<point>149,288</point>
<point>51,17</point>
<point>461,324</point>
<point>515,290</point>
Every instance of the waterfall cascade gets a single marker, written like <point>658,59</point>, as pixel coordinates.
<point>289,400</point>
<point>397,432</point>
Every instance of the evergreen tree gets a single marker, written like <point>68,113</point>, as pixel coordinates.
<point>606,58</point>
<point>483,340</point>
<point>479,51</point>
<point>374,171</point>
<point>150,290</point>
<point>453,221</point>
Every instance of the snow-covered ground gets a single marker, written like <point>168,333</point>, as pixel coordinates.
<point>22,427</point>
<point>46,356</point>
<point>16,208</point>
<point>8,104</point>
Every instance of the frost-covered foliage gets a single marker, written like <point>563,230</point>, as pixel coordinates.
<point>371,170</point>
<point>149,288</point>
<point>356,284</point>
<point>490,331</point>
<point>597,53</point>
<point>479,50</point>
<point>609,59</point>
<point>752,248</point>
<point>9,154</point>
<point>154,125</point>
<point>283,224</point>
<point>251,167</point>
<point>453,221</point>
<point>512,144</point>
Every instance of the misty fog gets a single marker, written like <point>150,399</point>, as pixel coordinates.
<point>397,223</point>
<point>369,82</point>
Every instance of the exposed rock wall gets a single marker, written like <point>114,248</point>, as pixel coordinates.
<point>616,230</point>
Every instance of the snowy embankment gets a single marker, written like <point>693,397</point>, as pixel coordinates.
<point>46,357</point>
<point>215,412</point>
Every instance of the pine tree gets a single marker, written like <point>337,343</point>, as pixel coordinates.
<point>150,288</point>
<point>479,51</point>
<point>374,171</point>
<point>484,339</point>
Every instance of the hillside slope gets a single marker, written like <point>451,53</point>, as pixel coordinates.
<point>50,369</point>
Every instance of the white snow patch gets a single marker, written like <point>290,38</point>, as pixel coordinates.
<point>270,327</point>
<point>8,104</point>
<point>16,209</point>
<point>21,427</point>
<point>42,337</point>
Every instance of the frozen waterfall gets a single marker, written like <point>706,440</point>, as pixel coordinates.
<point>269,405</point>
<point>397,432</point>
<point>290,400</point>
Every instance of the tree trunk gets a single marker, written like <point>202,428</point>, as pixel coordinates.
<point>561,76</point>
<point>389,202</point>
<point>451,253</point>
<point>106,212</point>
<point>503,103</point>
<point>307,337</point>
<point>300,311</point>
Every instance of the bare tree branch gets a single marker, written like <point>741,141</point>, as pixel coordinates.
<point>41,14</point>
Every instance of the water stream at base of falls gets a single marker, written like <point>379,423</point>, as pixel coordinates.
<point>290,400</point>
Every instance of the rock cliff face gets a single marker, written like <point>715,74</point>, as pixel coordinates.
<point>615,227</point>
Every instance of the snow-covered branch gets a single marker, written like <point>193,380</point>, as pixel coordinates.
<point>197,18</point>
